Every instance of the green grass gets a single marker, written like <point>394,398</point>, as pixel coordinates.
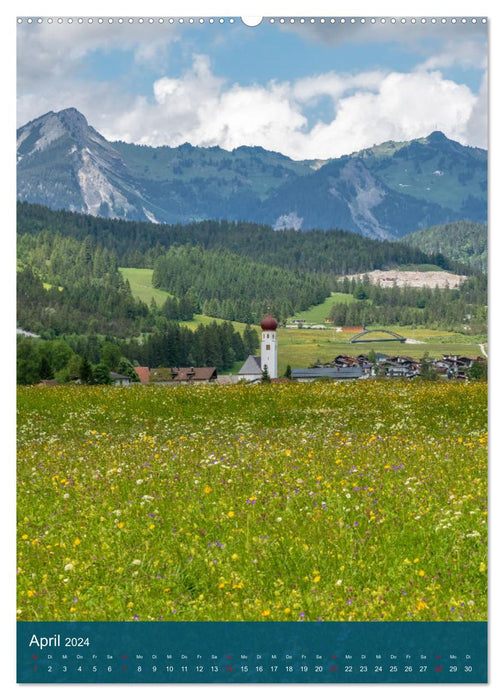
<point>201,318</point>
<point>140,280</point>
<point>318,313</point>
<point>350,501</point>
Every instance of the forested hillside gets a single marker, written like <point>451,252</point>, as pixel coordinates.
<point>409,306</point>
<point>462,241</point>
<point>64,286</point>
<point>226,285</point>
<point>69,280</point>
<point>138,244</point>
<point>69,286</point>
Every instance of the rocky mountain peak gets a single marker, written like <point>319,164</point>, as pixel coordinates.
<point>73,121</point>
<point>437,137</point>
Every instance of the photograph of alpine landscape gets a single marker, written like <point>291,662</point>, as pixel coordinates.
<point>251,320</point>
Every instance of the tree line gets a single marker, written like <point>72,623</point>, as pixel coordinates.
<point>139,244</point>
<point>70,286</point>
<point>421,306</point>
<point>90,358</point>
<point>66,285</point>
<point>462,241</point>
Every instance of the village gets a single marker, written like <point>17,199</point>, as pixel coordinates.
<point>343,367</point>
<point>264,367</point>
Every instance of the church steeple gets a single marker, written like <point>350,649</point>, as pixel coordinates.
<point>269,351</point>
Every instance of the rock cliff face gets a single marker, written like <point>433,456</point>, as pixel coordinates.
<point>383,192</point>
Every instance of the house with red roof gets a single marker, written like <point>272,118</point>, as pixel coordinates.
<point>143,374</point>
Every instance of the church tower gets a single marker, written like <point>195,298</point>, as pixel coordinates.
<point>269,346</point>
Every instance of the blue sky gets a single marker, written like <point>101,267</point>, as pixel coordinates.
<point>309,90</point>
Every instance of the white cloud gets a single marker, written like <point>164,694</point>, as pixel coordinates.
<point>404,106</point>
<point>201,109</point>
<point>335,85</point>
<point>467,54</point>
<point>477,124</point>
<point>369,108</point>
<point>47,52</point>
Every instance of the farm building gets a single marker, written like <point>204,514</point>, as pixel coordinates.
<point>182,375</point>
<point>187,375</point>
<point>119,379</point>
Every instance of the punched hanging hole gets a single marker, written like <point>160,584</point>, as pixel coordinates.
<point>251,21</point>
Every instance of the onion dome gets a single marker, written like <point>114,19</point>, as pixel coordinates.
<point>269,323</point>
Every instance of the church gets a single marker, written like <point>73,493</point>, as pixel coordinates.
<point>254,365</point>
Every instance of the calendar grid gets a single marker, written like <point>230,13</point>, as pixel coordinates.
<point>252,652</point>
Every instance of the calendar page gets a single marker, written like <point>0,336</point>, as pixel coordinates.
<point>252,349</point>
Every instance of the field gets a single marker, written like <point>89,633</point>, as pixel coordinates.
<point>304,347</point>
<point>358,501</point>
<point>319,312</point>
<point>140,279</point>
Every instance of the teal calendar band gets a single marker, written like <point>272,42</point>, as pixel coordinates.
<point>252,652</point>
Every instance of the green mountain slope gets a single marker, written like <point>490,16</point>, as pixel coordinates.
<point>434,169</point>
<point>462,241</point>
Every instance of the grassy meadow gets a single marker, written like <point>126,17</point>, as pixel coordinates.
<point>332,501</point>
<point>140,279</point>
<point>319,312</point>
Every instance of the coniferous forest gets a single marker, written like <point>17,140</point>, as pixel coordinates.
<point>413,306</point>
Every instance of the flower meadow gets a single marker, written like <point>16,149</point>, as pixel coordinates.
<point>361,501</point>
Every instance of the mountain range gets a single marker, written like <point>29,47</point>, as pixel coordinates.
<point>384,192</point>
